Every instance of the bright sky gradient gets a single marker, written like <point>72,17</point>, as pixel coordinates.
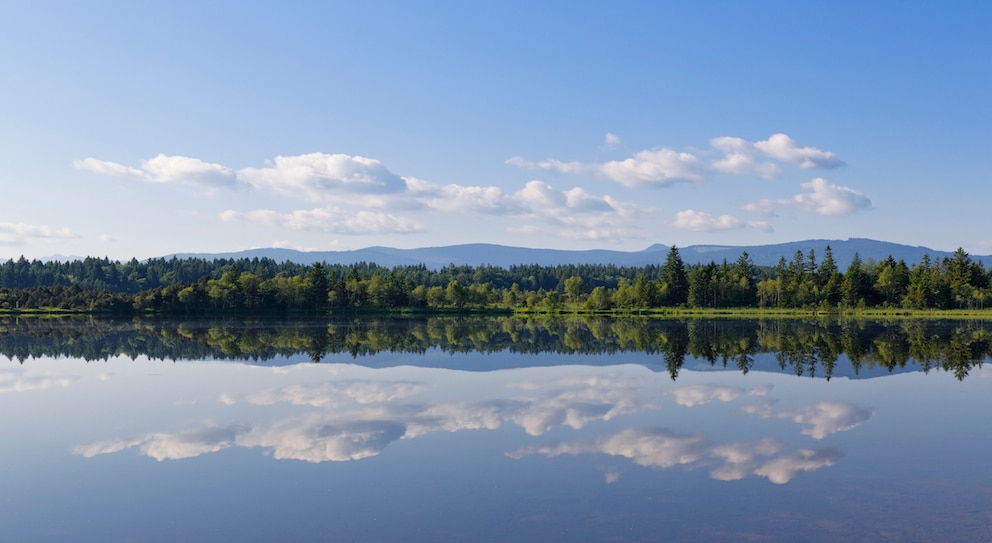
<point>138,129</point>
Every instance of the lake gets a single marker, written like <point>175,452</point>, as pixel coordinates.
<point>495,430</point>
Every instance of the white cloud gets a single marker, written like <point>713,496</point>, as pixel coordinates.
<point>535,198</point>
<point>739,164</point>
<point>463,199</point>
<point>664,166</point>
<point>611,140</point>
<point>819,420</point>
<point>19,233</point>
<point>104,167</point>
<point>782,147</point>
<point>653,167</point>
<point>360,196</point>
<point>329,220</point>
<point>321,176</point>
<point>35,231</point>
<point>539,197</point>
<point>739,156</point>
<point>366,196</point>
<point>699,221</point>
<point>550,165</point>
<point>166,169</point>
<point>822,198</point>
<point>739,159</point>
<point>572,213</point>
<point>361,182</point>
<point>576,214</point>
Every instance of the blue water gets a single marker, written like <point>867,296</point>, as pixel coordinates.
<point>586,449</point>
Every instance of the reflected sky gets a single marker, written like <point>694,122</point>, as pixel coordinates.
<point>818,420</point>
<point>412,453</point>
<point>354,419</point>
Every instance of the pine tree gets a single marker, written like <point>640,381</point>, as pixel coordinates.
<point>675,280</point>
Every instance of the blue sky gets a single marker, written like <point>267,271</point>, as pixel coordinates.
<point>142,129</point>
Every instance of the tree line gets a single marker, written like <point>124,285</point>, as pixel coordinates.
<point>262,286</point>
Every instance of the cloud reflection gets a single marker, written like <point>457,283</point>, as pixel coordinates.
<point>10,382</point>
<point>781,470</point>
<point>363,417</point>
<point>359,418</point>
<point>575,401</point>
<point>819,420</point>
<point>663,449</point>
<point>658,448</point>
<point>702,394</point>
<point>161,446</point>
<point>316,439</point>
<point>332,394</point>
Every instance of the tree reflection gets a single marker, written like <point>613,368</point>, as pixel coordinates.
<point>804,347</point>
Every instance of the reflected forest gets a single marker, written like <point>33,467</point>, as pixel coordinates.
<point>804,347</point>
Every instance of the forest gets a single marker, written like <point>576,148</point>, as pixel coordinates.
<point>194,286</point>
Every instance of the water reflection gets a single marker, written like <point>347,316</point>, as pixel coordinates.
<point>348,419</point>
<point>404,445</point>
<point>11,382</point>
<point>811,347</point>
<point>818,420</point>
<point>703,394</point>
<point>662,448</point>
<point>373,414</point>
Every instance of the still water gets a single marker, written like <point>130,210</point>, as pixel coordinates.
<point>566,431</point>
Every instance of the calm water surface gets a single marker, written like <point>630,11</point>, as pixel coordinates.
<point>404,445</point>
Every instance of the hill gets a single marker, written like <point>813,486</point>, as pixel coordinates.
<point>506,256</point>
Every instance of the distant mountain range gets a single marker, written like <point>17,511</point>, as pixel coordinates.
<point>504,256</point>
<point>500,361</point>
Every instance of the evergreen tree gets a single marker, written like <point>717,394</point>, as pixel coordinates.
<point>856,284</point>
<point>315,288</point>
<point>828,279</point>
<point>675,281</point>
<point>745,281</point>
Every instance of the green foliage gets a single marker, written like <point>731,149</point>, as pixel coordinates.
<point>674,280</point>
<point>261,286</point>
<point>810,347</point>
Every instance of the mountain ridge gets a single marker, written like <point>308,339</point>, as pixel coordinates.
<point>478,254</point>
